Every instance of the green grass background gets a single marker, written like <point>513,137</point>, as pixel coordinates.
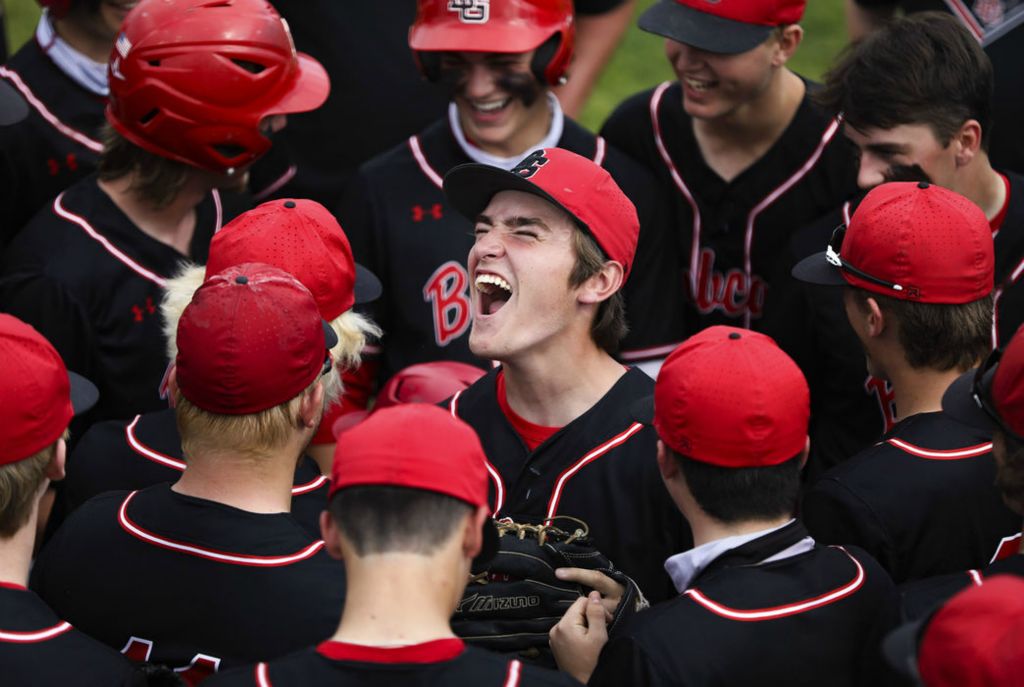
<point>638,64</point>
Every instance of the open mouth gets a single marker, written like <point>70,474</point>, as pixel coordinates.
<point>490,107</point>
<point>494,293</point>
<point>700,85</point>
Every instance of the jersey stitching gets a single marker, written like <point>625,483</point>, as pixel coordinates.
<point>58,207</point>
<point>45,113</point>
<point>421,160</point>
<point>788,609</point>
<point>210,554</point>
<point>590,457</point>
<point>36,636</point>
<point>941,454</point>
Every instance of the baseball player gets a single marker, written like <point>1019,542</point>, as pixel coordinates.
<point>498,66</point>
<point>555,240</point>
<point>37,400</point>
<point>761,602</point>
<point>300,237</point>
<point>213,570</point>
<point>745,153</point>
<point>184,119</point>
<point>407,513</point>
<point>917,103</point>
<point>62,73</point>
<point>987,398</point>
<point>917,265</point>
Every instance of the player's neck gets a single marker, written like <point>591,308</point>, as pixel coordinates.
<point>257,484</point>
<point>919,390</point>
<point>16,553</point>
<point>400,599</point>
<point>173,224</point>
<point>983,185</point>
<point>554,388</point>
<point>706,530</point>
<point>83,40</point>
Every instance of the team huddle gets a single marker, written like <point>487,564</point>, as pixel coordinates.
<point>729,393</point>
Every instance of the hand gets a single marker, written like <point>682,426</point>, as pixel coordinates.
<point>611,591</point>
<point>579,636</point>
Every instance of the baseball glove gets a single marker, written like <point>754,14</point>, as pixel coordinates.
<point>512,604</point>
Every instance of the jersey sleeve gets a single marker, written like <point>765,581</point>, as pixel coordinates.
<point>623,661</point>
<point>629,129</point>
<point>835,515</point>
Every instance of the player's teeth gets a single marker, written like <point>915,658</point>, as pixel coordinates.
<point>485,281</point>
<point>491,107</point>
<point>699,85</point>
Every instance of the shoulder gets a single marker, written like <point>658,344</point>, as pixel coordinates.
<point>515,672</point>
<point>480,394</point>
<point>636,109</point>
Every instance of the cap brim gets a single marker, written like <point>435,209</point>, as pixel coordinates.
<point>330,336</point>
<point>367,287</point>
<point>489,548</point>
<point>84,393</point>
<point>815,269</point>
<point>13,107</point>
<point>702,30</point>
<point>310,90</point>
<point>958,401</point>
<point>470,187</point>
<point>900,648</point>
<point>642,410</point>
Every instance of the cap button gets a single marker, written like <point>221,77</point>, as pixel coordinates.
<point>923,184</point>
<point>289,204</point>
<point>734,335</point>
<point>241,279</point>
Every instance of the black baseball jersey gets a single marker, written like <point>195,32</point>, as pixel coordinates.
<point>600,468</point>
<point>922,501</point>
<point>146,450</point>
<point>181,581</point>
<point>55,146</point>
<point>441,662</point>
<point>920,597</point>
<point>815,618</point>
<point>91,282</point>
<point>38,648</point>
<point>731,235</point>
<point>402,228</point>
<point>849,409</point>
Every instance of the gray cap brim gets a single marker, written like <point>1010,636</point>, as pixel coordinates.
<point>367,287</point>
<point>815,269</point>
<point>84,393</point>
<point>900,648</point>
<point>702,30</point>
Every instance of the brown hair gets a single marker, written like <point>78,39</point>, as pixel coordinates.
<point>19,488</point>
<point>157,180</point>
<point>609,325</point>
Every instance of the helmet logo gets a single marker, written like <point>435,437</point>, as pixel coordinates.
<point>123,45</point>
<point>530,164</point>
<point>471,11</point>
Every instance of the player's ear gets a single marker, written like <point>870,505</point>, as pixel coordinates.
<point>472,535</point>
<point>602,285</point>
<point>876,318</point>
<point>172,385</point>
<point>331,535</point>
<point>805,453</point>
<point>967,141</point>
<point>789,38</point>
<point>667,464</point>
<point>55,470</point>
<point>311,406</point>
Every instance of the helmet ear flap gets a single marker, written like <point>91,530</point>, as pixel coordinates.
<point>542,60</point>
<point>429,64</point>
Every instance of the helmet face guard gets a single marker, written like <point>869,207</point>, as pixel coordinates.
<point>495,26</point>
<point>192,81</point>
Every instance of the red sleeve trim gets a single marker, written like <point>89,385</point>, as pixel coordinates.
<point>434,651</point>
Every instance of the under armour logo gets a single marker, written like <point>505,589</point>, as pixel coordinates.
<point>419,212</point>
<point>471,11</point>
<point>138,311</point>
<point>530,164</point>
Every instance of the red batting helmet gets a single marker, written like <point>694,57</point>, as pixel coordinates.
<point>192,80</point>
<point>504,26</point>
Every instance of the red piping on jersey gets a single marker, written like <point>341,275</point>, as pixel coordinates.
<point>748,237</point>
<point>846,213</point>
<point>975,578</point>
<point>12,585</point>
<point>179,465</point>
<point>434,651</point>
<point>211,554</point>
<point>134,641</point>
<point>645,353</point>
<point>556,494</point>
<point>941,454</point>
<point>75,135</point>
<point>967,18</point>
<point>218,225</point>
<point>262,678</point>
<point>789,609</point>
<point>288,175</point>
<point>58,207</point>
<point>34,637</point>
<point>512,677</point>
<point>499,487</point>
<point>431,173</point>
<point>1001,549</point>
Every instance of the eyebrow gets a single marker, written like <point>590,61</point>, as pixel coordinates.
<point>514,221</point>
<point>886,147</point>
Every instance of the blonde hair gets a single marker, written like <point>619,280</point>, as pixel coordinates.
<point>19,488</point>
<point>351,327</point>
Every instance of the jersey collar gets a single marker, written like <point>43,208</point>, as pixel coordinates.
<point>475,154</point>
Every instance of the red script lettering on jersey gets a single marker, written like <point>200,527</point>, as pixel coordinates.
<point>447,292</point>
<point>727,292</point>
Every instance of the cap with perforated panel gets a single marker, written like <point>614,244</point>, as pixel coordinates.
<point>722,26</point>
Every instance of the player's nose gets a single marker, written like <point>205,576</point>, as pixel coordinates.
<point>870,173</point>
<point>479,81</point>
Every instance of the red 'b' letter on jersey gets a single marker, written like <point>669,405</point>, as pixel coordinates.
<point>446,292</point>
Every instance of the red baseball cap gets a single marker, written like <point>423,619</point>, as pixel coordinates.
<point>910,240</point>
<point>730,397</point>
<point>976,639</point>
<point>569,181</point>
<point>251,339</point>
<point>38,396</point>
<point>722,26</point>
<point>992,395</point>
<point>304,239</point>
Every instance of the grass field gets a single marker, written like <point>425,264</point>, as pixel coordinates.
<point>638,64</point>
